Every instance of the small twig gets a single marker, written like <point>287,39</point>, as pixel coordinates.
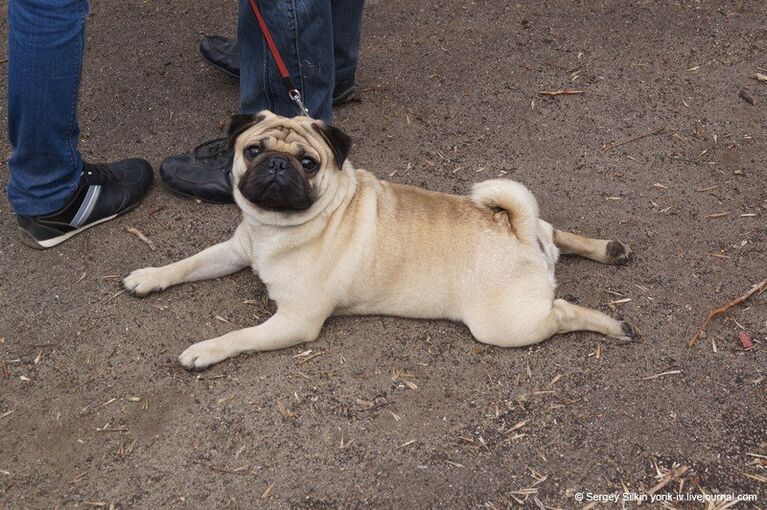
<point>108,402</point>
<point>516,426</point>
<point>283,410</point>
<point>662,374</point>
<point>136,232</point>
<point>305,360</point>
<point>758,478</point>
<point>759,288</point>
<point>561,92</point>
<point>115,295</point>
<point>268,490</point>
<point>671,476</point>
<point>610,146</point>
<point>119,429</point>
<point>238,471</point>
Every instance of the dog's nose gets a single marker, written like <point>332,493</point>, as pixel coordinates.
<point>277,164</point>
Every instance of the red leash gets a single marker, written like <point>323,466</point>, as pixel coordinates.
<point>293,92</point>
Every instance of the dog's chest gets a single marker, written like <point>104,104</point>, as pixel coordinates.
<point>287,273</point>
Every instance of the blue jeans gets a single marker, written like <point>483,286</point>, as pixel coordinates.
<point>318,40</point>
<point>45,54</point>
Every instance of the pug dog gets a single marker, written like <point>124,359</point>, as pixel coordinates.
<point>328,239</point>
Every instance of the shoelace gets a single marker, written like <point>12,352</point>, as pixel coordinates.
<point>96,174</point>
<point>212,149</point>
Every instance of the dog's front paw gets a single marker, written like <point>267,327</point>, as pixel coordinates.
<point>618,253</point>
<point>144,281</point>
<point>203,354</point>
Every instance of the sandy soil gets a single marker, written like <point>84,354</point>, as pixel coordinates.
<point>95,411</point>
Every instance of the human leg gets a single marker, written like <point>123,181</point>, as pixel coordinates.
<point>45,50</point>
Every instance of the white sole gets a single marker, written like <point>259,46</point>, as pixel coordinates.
<point>50,243</point>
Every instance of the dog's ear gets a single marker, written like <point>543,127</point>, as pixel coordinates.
<point>239,123</point>
<point>340,143</point>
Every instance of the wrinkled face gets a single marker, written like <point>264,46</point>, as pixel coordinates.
<point>284,165</point>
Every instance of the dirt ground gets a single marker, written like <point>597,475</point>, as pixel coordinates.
<point>94,410</point>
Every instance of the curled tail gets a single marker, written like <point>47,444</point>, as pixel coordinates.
<point>518,202</point>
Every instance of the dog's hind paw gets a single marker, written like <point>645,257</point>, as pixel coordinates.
<point>618,253</point>
<point>631,334</point>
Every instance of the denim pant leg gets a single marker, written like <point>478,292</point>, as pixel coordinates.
<point>303,32</point>
<point>347,23</point>
<point>45,53</point>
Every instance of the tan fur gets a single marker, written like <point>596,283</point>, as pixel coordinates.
<point>368,246</point>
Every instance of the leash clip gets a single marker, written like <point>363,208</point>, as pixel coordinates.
<point>295,96</point>
<point>293,92</point>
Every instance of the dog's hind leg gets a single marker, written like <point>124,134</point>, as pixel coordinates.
<point>569,317</point>
<point>538,324</point>
<point>601,250</point>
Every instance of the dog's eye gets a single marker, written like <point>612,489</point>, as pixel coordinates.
<point>309,164</point>
<point>251,151</point>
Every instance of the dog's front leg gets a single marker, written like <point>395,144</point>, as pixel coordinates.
<point>280,331</point>
<point>218,260</point>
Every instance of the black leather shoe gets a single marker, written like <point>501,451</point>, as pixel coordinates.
<point>344,92</point>
<point>223,53</point>
<point>203,173</point>
<point>105,192</point>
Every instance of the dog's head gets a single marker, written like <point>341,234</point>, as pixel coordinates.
<point>284,167</point>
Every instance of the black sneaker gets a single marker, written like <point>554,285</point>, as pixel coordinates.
<point>223,53</point>
<point>203,173</point>
<point>105,191</point>
<point>344,92</point>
